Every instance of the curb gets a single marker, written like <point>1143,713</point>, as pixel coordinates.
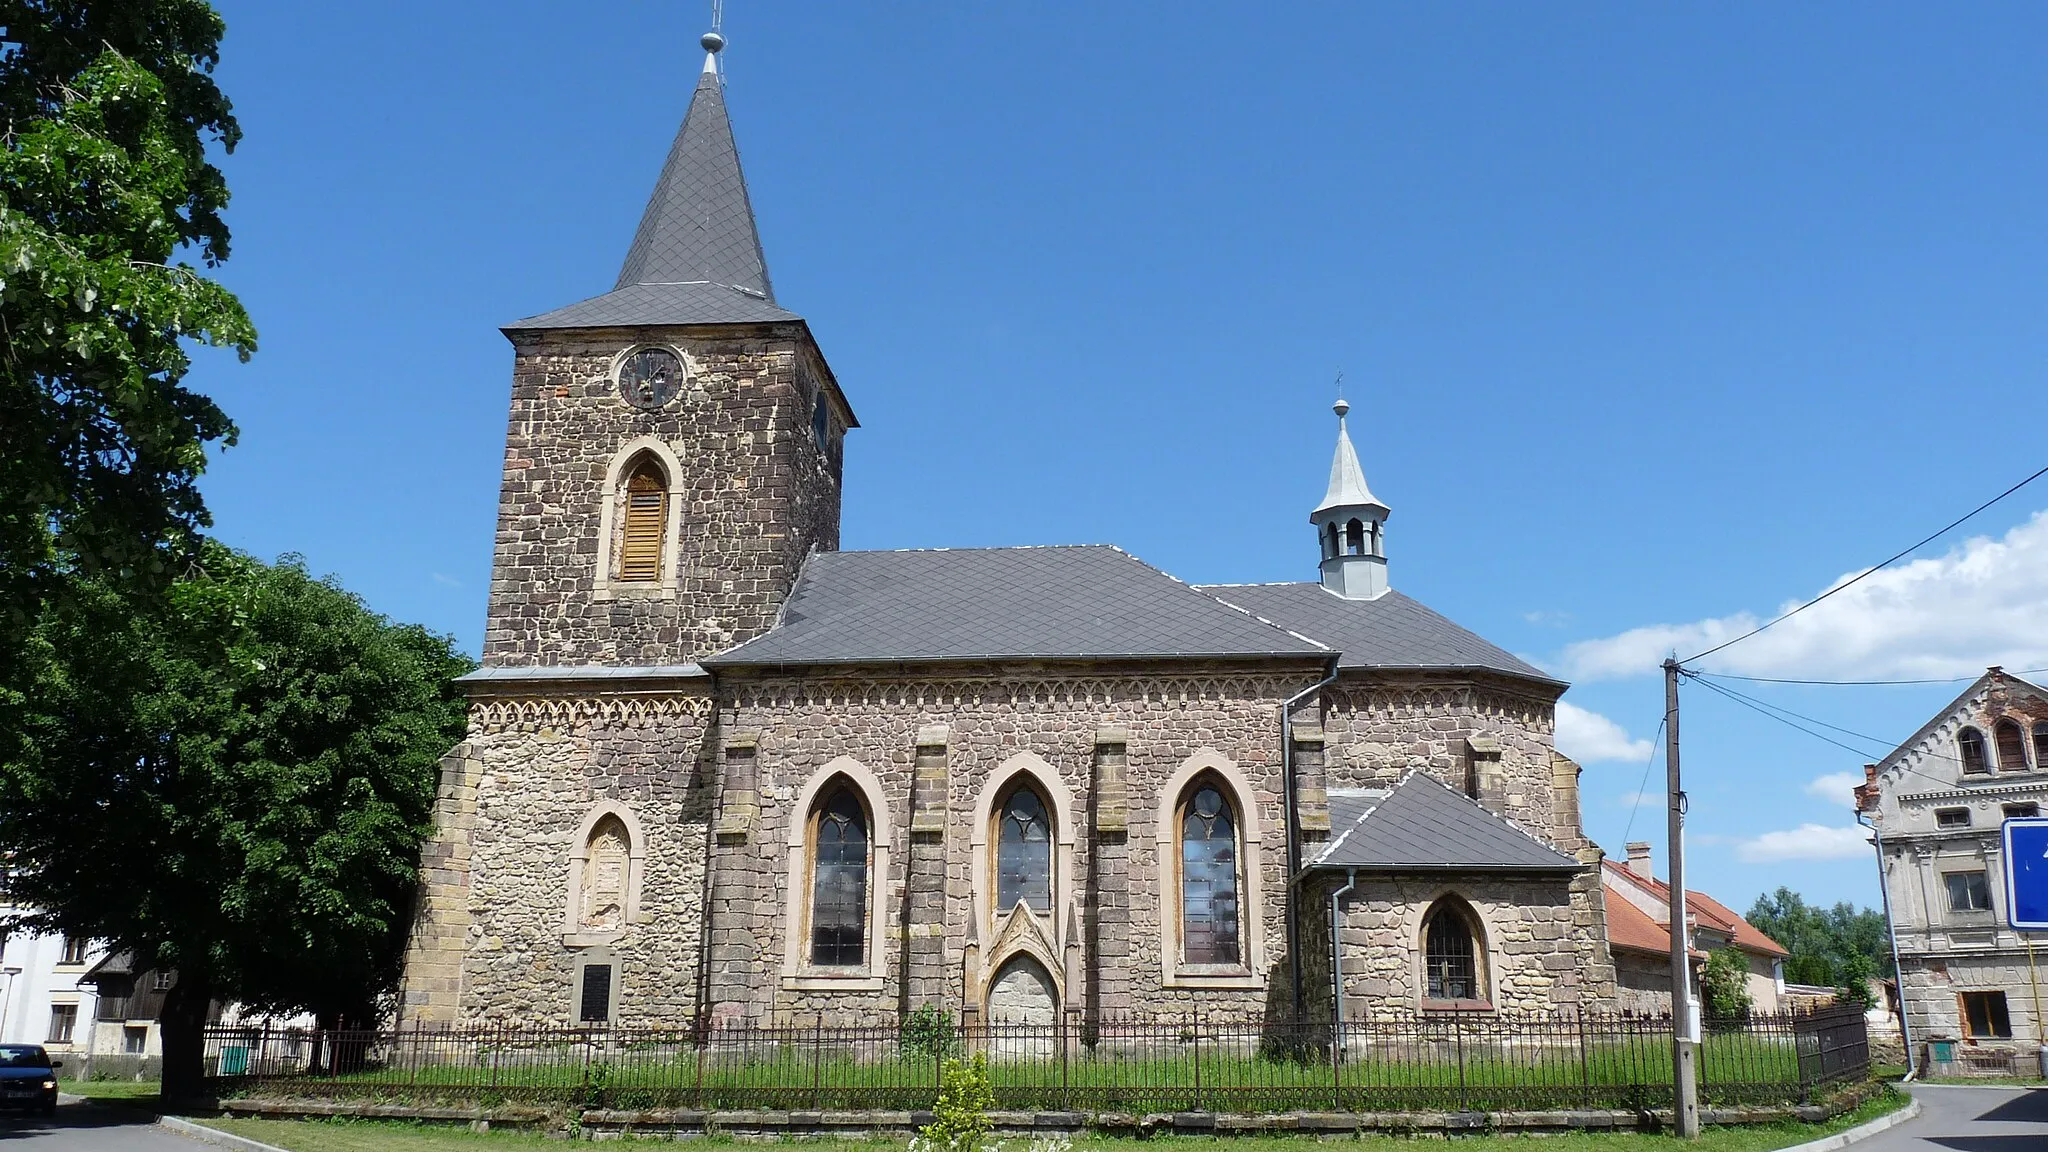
<point>214,1135</point>
<point>1860,1132</point>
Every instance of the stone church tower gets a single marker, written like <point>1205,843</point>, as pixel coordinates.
<point>720,771</point>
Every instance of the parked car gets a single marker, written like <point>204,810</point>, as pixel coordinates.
<point>28,1078</point>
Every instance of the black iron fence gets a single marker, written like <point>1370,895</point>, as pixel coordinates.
<point>1193,1064</point>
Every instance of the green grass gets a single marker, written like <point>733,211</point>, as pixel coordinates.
<point>375,1136</point>
<point>136,1093</point>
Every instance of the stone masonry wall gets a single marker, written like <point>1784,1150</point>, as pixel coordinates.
<point>1381,726</point>
<point>537,765</point>
<point>802,725</point>
<point>1540,955</point>
<point>758,496</point>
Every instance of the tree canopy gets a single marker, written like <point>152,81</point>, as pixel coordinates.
<point>235,787</point>
<point>105,181</point>
<point>1835,947</point>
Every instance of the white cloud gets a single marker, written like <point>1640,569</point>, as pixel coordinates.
<point>1984,602</point>
<point>1589,737</point>
<point>442,578</point>
<point>1835,787</point>
<point>1806,842</point>
<point>1641,799</point>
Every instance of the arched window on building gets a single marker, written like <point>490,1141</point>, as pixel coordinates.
<point>839,878</point>
<point>1210,912</point>
<point>1970,743</point>
<point>1354,538</point>
<point>646,524</point>
<point>1023,852</point>
<point>821,421</point>
<point>1452,952</point>
<point>2012,746</point>
<point>2041,745</point>
<point>607,855</point>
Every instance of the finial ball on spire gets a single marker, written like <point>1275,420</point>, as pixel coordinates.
<point>1340,407</point>
<point>712,41</point>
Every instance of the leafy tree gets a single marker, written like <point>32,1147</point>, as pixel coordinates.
<point>1823,942</point>
<point>1725,984</point>
<point>234,788</point>
<point>109,111</point>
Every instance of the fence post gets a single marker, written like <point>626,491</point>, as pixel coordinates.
<point>1585,1065</point>
<point>817,1062</point>
<point>1066,1089</point>
<point>702,1037</point>
<point>1458,1032</point>
<point>1196,1104</point>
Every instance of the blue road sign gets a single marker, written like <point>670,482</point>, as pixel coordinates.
<point>2026,872</point>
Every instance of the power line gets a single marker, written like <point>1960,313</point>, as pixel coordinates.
<point>1790,719</point>
<point>1848,683</point>
<point>1655,746</point>
<point>1910,549</point>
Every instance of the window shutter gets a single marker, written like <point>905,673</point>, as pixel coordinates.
<point>646,525</point>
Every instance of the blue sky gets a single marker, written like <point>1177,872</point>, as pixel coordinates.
<point>1651,316</point>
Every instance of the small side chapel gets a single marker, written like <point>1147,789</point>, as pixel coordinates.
<point>720,771</point>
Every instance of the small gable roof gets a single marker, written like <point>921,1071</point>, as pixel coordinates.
<point>1066,601</point>
<point>1422,824</point>
<point>1394,631</point>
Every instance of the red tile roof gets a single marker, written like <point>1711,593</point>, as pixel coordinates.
<point>1705,910</point>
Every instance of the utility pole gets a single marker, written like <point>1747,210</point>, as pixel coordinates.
<point>1684,1017</point>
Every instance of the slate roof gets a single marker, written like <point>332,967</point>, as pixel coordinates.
<point>1393,631</point>
<point>1071,601</point>
<point>696,257</point>
<point>1422,824</point>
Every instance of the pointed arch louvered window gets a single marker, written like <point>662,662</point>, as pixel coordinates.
<point>2012,746</point>
<point>646,526</point>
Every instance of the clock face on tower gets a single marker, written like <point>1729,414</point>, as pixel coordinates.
<point>650,377</point>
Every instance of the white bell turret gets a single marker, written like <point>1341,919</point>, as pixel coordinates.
<point>1351,525</point>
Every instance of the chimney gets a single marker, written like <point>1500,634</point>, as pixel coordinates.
<point>1639,859</point>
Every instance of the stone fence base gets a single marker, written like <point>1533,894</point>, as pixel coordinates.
<point>600,1124</point>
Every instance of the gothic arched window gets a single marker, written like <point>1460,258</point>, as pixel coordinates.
<point>2012,746</point>
<point>839,879</point>
<point>1023,852</point>
<point>1451,952</point>
<point>1209,882</point>
<point>1970,743</point>
<point>646,524</point>
<point>2041,744</point>
<point>607,856</point>
<point>1354,538</point>
<point>821,421</point>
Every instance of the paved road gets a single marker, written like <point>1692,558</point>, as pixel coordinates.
<point>86,1128</point>
<point>1969,1120</point>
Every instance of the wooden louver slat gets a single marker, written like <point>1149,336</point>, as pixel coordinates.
<point>646,524</point>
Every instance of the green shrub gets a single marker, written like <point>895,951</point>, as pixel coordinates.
<point>960,1114</point>
<point>928,1033</point>
<point>1725,986</point>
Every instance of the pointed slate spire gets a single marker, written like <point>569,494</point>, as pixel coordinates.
<point>1347,479</point>
<point>1350,524</point>
<point>699,224</point>
<point>696,257</point>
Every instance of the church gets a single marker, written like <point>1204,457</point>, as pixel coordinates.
<point>720,772</point>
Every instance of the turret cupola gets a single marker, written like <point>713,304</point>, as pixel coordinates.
<point>1351,525</point>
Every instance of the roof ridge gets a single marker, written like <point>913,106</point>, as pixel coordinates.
<point>1507,820</point>
<point>1134,558</point>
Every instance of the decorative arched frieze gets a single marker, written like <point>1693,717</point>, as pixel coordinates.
<point>624,462</point>
<point>501,713</point>
<point>607,857</point>
<point>1176,972</point>
<point>797,970</point>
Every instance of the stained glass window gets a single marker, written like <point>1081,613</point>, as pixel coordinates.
<point>1024,853</point>
<point>1208,880</point>
<point>1450,954</point>
<point>839,881</point>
